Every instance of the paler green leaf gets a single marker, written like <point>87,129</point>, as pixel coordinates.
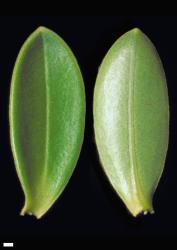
<point>47,118</point>
<point>131,119</point>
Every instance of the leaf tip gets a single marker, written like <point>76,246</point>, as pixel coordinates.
<point>41,29</point>
<point>136,30</point>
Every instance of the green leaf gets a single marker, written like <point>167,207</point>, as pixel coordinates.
<point>131,119</point>
<point>47,118</point>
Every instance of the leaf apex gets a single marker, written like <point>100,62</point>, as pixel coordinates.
<point>137,30</point>
<point>42,29</point>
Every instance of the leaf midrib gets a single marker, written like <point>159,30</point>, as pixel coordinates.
<point>131,122</point>
<point>44,170</point>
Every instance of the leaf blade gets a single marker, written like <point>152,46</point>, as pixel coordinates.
<point>59,110</point>
<point>118,116</point>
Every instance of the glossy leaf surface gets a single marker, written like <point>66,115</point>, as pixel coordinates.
<point>131,119</point>
<point>47,116</point>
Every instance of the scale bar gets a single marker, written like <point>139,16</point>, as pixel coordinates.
<point>8,244</point>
